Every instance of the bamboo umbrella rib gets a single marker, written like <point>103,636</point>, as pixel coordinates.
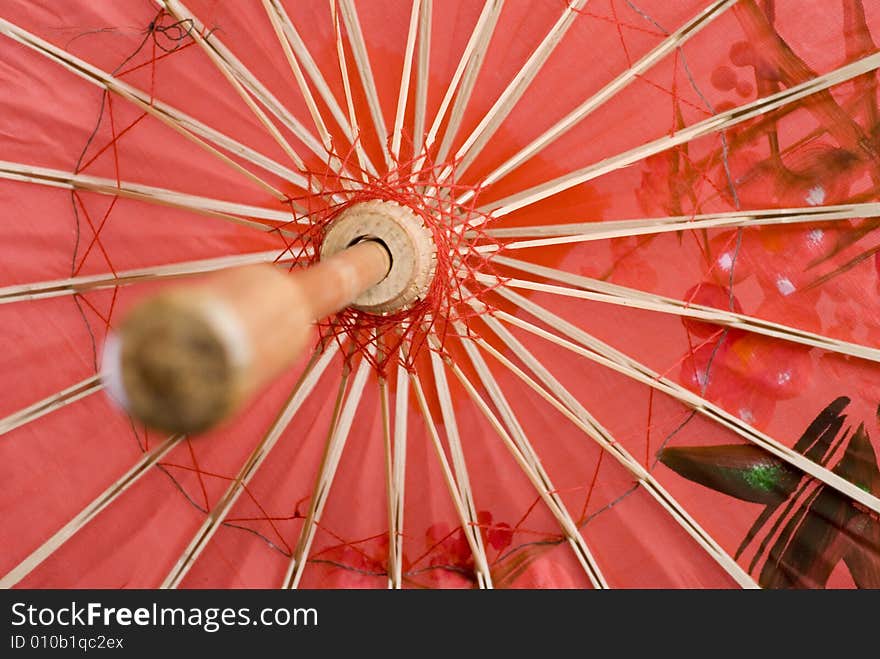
<point>393,565</point>
<point>301,391</point>
<point>562,400</point>
<point>359,150</point>
<point>84,283</point>
<point>390,437</point>
<point>87,514</point>
<point>511,95</point>
<point>259,91</point>
<point>226,210</point>
<point>273,12</point>
<point>255,87</point>
<point>340,429</point>
<point>322,149</point>
<point>470,57</point>
<point>464,79</point>
<point>484,578</point>
<point>397,478</point>
<point>277,16</point>
<point>576,232</point>
<point>187,126</point>
<point>703,313</point>
<point>424,58</point>
<point>713,124</point>
<point>600,352</point>
<point>671,43</point>
<point>406,74</point>
<point>307,62</point>
<point>246,84</point>
<point>517,443</point>
<point>56,401</point>
<point>635,299</point>
<point>226,69</point>
<point>228,64</point>
<point>459,466</point>
<point>365,71</point>
<point>244,75</point>
<point>721,556</point>
<point>234,65</point>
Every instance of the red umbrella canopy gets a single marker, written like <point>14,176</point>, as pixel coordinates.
<point>647,357</point>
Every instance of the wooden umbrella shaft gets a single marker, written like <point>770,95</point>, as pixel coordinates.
<point>188,357</point>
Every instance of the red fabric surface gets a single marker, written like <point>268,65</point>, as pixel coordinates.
<point>817,277</point>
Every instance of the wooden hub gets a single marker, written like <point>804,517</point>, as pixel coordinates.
<point>408,241</point>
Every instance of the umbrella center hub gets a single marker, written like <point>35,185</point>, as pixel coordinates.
<point>410,246</point>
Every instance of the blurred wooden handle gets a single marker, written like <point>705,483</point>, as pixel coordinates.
<point>187,358</point>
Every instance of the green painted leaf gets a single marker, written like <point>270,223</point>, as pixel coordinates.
<point>740,470</point>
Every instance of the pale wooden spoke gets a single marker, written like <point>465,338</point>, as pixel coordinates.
<point>228,63</point>
<point>248,80</point>
<point>599,291</point>
<point>87,514</point>
<point>359,150</point>
<point>393,565</point>
<point>563,401</point>
<point>182,123</point>
<point>466,519</point>
<point>517,443</point>
<point>306,61</point>
<point>249,88</point>
<point>260,92</point>
<point>592,348</point>
<point>84,283</point>
<point>56,401</point>
<point>577,232</point>
<point>714,124</point>
<point>398,477</point>
<point>225,210</point>
<point>302,390</point>
<point>395,452</point>
<point>403,94</point>
<point>421,100</point>
<point>470,58</point>
<point>464,79</point>
<point>176,9</point>
<point>274,13</point>
<point>508,99</point>
<point>340,429</point>
<point>671,43</point>
<point>459,466</point>
<point>365,71</point>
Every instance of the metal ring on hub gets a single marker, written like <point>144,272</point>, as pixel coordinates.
<point>408,241</point>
